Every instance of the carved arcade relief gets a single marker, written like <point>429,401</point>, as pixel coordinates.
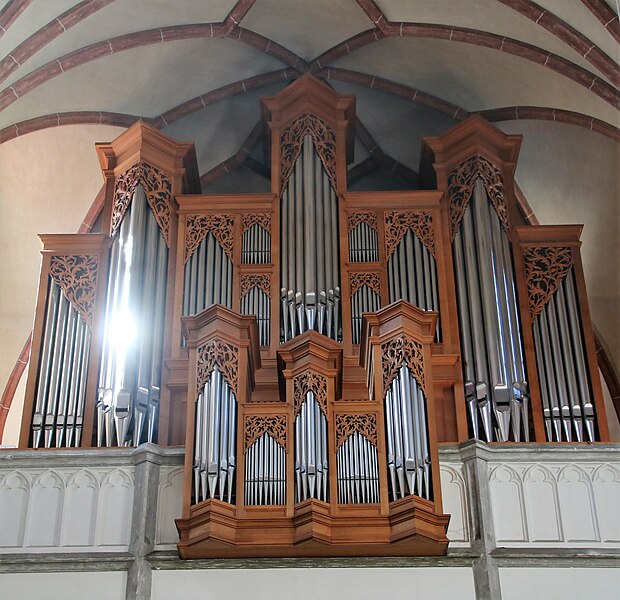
<point>305,382</point>
<point>372,280</point>
<point>347,424</point>
<point>261,281</point>
<point>401,350</point>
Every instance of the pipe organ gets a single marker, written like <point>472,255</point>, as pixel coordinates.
<point>311,346</point>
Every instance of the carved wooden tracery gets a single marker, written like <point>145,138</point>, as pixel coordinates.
<point>264,220</point>
<point>545,267</point>
<point>257,425</point>
<point>355,218</point>
<point>346,425</point>
<point>372,280</point>
<point>261,281</point>
<point>157,187</point>
<point>220,226</point>
<point>292,140</point>
<point>461,183</point>
<point>76,275</point>
<point>397,223</point>
<point>223,354</point>
<point>309,380</point>
<point>401,350</point>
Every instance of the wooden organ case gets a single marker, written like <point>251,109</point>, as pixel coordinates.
<point>311,347</point>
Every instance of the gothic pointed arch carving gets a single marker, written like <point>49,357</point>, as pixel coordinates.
<point>76,275</point>
<point>257,425</point>
<point>223,354</point>
<point>306,381</point>
<point>158,189</point>
<point>291,142</point>
<point>398,351</point>
<point>262,219</point>
<point>359,279</point>
<point>365,216</point>
<point>220,226</point>
<point>397,223</point>
<point>545,268</point>
<point>461,182</point>
<point>348,424</point>
<point>261,280</point>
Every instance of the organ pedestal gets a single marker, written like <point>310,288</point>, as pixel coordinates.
<point>311,347</point>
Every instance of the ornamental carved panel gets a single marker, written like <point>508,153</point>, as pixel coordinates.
<point>261,281</point>
<point>461,182</point>
<point>198,226</point>
<point>401,350</point>
<point>76,275</point>
<point>372,280</point>
<point>158,189</point>
<point>264,220</point>
<point>257,425</point>
<point>292,140</point>
<point>397,223</point>
<point>365,424</point>
<point>355,218</point>
<point>223,354</point>
<point>309,380</point>
<point>545,267</point>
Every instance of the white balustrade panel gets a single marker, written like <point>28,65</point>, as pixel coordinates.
<point>169,507</point>
<point>65,509</point>
<point>549,503</point>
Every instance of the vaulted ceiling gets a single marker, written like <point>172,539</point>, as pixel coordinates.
<point>72,74</point>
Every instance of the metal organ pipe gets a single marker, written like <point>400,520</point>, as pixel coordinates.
<point>494,372</point>
<point>363,244</point>
<point>214,442</point>
<point>412,275</point>
<point>256,302</point>
<point>364,300</point>
<point>564,384</point>
<point>358,480</point>
<point>311,458</point>
<point>310,294</point>
<point>256,245</point>
<point>61,385</point>
<point>130,373</point>
<point>408,453</point>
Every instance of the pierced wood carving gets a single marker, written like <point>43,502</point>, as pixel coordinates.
<point>261,281</point>
<point>348,424</point>
<point>372,280</point>
<point>264,220</point>
<point>545,267</point>
<point>355,218</point>
<point>223,354</point>
<point>198,226</point>
<point>157,187</point>
<point>291,142</point>
<point>461,182</point>
<point>397,223</point>
<point>256,425</point>
<point>398,351</point>
<point>309,380</point>
<point>76,275</point>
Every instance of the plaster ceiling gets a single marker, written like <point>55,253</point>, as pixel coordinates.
<point>169,54</point>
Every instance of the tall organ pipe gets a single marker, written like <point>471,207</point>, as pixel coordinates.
<point>256,302</point>
<point>61,384</point>
<point>358,472</point>
<point>130,372</point>
<point>363,244</point>
<point>310,273</point>
<point>208,277</point>
<point>256,245</point>
<point>494,372</point>
<point>562,371</point>
<point>311,459</point>
<point>364,300</point>
<point>265,472</point>
<point>214,440</point>
<point>412,275</point>
<point>407,443</point>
